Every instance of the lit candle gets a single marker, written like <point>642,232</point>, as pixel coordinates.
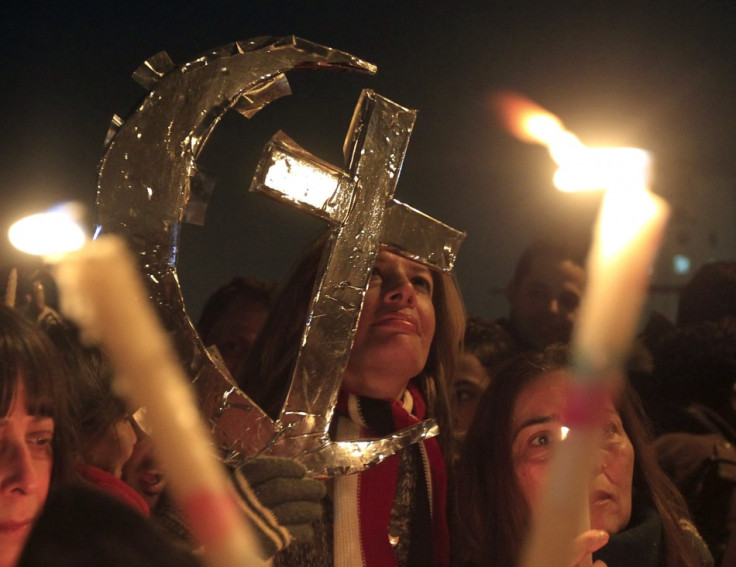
<point>101,290</point>
<point>626,238</point>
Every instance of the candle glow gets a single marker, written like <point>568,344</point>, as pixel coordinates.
<point>625,241</point>
<point>581,167</point>
<point>102,291</point>
<point>627,232</point>
<point>48,234</point>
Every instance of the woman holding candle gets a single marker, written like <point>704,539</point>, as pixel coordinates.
<point>403,354</point>
<point>637,516</point>
<point>47,517</point>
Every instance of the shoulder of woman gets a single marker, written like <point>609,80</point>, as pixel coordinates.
<point>698,543</point>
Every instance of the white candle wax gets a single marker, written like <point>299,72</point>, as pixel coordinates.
<point>563,512</point>
<point>101,289</point>
<point>626,240</point>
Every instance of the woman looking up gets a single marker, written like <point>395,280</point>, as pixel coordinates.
<point>637,516</point>
<point>404,349</point>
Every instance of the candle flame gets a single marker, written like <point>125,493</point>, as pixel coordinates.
<point>49,234</point>
<point>580,167</point>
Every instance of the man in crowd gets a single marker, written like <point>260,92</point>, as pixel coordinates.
<point>544,294</point>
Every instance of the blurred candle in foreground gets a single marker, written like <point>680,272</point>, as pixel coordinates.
<point>626,238</point>
<point>101,290</point>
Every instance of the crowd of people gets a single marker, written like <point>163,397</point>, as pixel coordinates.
<point>81,484</point>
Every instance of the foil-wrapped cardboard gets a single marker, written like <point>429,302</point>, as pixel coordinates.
<point>145,192</point>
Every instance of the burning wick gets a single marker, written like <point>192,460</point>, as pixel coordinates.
<point>50,234</point>
<point>627,234</point>
<point>563,432</point>
<point>626,238</point>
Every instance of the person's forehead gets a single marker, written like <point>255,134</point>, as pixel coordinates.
<point>386,256</point>
<point>543,396</point>
<point>19,405</point>
<point>470,369</point>
<point>555,271</point>
<point>240,307</point>
<point>547,396</point>
<point>245,328</point>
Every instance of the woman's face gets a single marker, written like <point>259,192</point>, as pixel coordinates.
<point>395,330</point>
<point>26,459</point>
<point>537,429</point>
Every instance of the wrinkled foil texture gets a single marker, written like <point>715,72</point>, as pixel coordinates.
<point>145,192</point>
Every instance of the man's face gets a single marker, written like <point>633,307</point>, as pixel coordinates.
<point>544,304</point>
<point>235,331</point>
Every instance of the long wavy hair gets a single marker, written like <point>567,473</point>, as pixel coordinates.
<point>265,374</point>
<point>492,516</point>
<point>27,356</point>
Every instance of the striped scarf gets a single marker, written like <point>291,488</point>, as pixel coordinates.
<point>363,502</point>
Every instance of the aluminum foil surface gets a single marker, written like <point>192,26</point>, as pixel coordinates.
<point>145,192</point>
<point>359,202</point>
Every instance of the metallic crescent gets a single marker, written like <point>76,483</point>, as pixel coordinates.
<point>144,182</point>
<point>144,191</point>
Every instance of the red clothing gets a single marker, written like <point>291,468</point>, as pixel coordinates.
<point>113,485</point>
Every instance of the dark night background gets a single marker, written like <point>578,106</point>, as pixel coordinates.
<point>656,75</point>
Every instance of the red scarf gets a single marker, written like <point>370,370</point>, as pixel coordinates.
<point>113,485</point>
<point>376,487</point>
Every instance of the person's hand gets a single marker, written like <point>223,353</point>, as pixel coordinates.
<point>585,544</point>
<point>279,500</point>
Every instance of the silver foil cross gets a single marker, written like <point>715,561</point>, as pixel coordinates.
<point>145,191</point>
<point>359,203</point>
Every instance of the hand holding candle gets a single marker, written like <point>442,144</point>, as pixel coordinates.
<point>626,238</point>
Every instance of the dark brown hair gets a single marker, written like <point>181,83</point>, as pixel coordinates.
<point>492,515</point>
<point>710,295</point>
<point>488,341</point>
<point>95,406</point>
<point>27,355</point>
<point>249,289</point>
